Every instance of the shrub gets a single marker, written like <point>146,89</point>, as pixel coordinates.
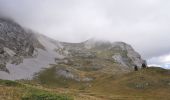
<point>9,83</point>
<point>45,96</point>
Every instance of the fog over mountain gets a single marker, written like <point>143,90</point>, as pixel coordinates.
<point>142,23</point>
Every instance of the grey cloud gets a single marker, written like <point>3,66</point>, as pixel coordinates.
<point>142,23</point>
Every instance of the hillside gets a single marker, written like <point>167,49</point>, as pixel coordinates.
<point>25,53</point>
<point>11,90</point>
<point>41,67</point>
<point>152,83</point>
<point>146,84</point>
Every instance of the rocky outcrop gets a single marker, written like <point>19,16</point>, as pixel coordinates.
<point>71,73</point>
<point>24,53</point>
<point>15,42</point>
<point>117,52</point>
<point>126,55</point>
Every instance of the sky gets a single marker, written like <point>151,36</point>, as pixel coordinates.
<point>142,23</point>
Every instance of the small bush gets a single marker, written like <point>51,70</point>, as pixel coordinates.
<point>45,96</point>
<point>9,83</point>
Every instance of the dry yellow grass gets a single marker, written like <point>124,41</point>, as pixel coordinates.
<point>10,93</point>
<point>148,84</point>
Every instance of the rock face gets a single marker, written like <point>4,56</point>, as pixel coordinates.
<point>127,56</point>
<point>15,43</point>
<point>118,52</point>
<point>24,53</point>
<point>121,52</point>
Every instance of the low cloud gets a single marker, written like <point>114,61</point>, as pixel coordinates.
<point>142,23</point>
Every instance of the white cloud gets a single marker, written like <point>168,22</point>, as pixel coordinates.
<point>154,65</point>
<point>162,61</point>
<point>167,58</point>
<point>142,23</point>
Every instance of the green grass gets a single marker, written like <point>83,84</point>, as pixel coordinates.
<point>145,84</point>
<point>142,84</point>
<point>49,77</point>
<point>9,83</point>
<point>12,90</point>
<point>34,94</point>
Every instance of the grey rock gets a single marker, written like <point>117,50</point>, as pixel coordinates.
<point>3,68</point>
<point>15,42</point>
<point>66,73</point>
<point>169,84</point>
<point>23,53</point>
<point>119,59</point>
<point>126,55</point>
<point>87,79</point>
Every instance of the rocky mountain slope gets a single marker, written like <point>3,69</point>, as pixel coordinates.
<point>24,53</point>
<point>14,43</point>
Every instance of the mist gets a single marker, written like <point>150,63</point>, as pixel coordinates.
<point>142,23</point>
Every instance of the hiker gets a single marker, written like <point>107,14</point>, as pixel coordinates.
<point>135,68</point>
<point>144,66</point>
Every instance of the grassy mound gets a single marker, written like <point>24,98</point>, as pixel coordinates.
<point>11,90</point>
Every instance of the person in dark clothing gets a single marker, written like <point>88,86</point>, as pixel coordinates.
<point>144,66</point>
<point>135,68</point>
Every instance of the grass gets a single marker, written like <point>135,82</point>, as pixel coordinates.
<point>138,85</point>
<point>43,95</point>
<point>12,90</point>
<point>145,84</point>
<point>9,83</point>
<point>49,77</point>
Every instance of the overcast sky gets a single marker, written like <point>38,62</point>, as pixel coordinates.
<point>145,24</point>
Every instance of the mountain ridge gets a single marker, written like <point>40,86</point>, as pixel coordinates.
<point>24,53</point>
